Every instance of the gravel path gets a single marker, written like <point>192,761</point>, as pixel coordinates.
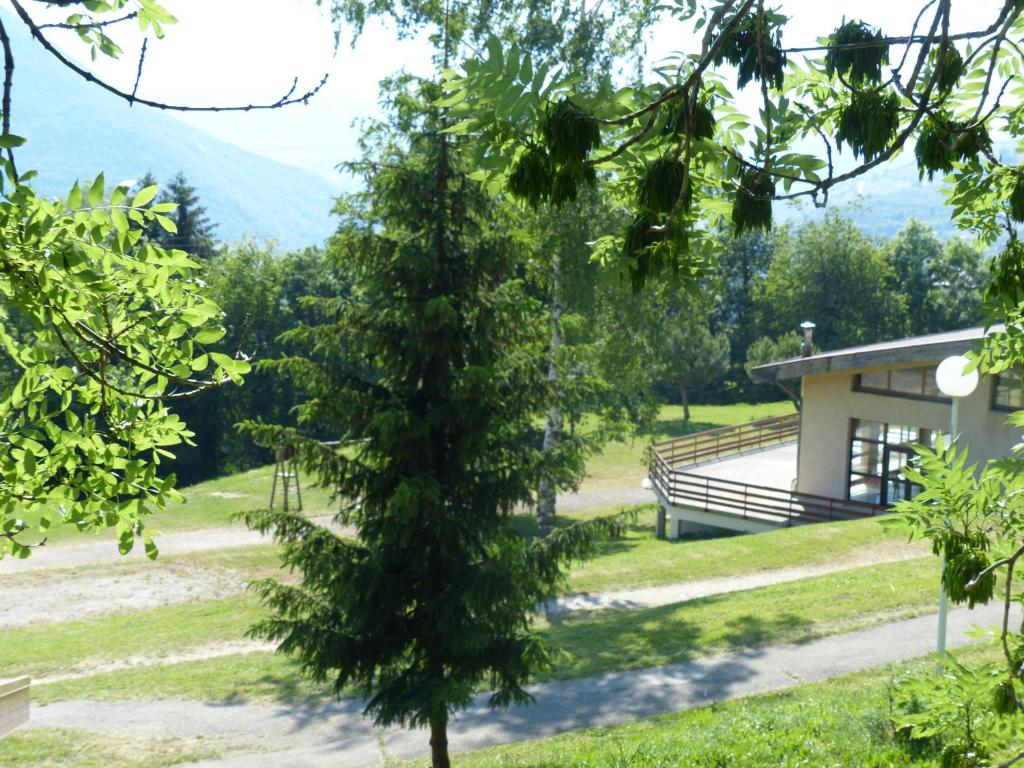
<point>98,551</point>
<point>337,735</point>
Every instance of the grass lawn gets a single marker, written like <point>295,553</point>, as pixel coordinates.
<point>638,559</point>
<point>64,748</point>
<point>839,723</point>
<point>620,465</point>
<point>592,642</point>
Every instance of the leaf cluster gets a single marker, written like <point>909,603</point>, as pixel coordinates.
<point>868,122</point>
<point>752,208</point>
<point>857,53</point>
<point>944,141</point>
<point>754,47</point>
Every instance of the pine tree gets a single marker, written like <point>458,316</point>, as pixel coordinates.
<point>194,233</point>
<point>432,373</point>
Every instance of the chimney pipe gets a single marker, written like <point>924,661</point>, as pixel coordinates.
<point>808,346</point>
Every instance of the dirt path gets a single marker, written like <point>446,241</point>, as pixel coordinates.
<point>196,653</point>
<point>95,551</point>
<point>680,592</point>
<point>337,734</point>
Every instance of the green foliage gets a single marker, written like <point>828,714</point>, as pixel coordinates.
<point>868,122</point>
<point>662,186</point>
<point>754,47</point>
<point>115,326</point>
<point>950,66</point>
<point>569,132</point>
<point>433,372</point>
<point>677,119</point>
<point>752,208</point>
<point>943,142</point>
<point>1017,200</point>
<point>857,53</point>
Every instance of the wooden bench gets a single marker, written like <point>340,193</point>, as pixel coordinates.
<point>14,700</point>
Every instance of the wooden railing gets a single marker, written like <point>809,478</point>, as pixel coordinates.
<point>730,497</point>
<point>712,494</point>
<point>726,441</point>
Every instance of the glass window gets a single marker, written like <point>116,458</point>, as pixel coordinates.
<point>878,453</point>
<point>875,380</point>
<point>918,382</point>
<point>907,380</point>
<point>1008,394</point>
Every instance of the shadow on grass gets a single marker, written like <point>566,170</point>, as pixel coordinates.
<point>674,428</point>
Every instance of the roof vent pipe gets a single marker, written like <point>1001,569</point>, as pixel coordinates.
<point>807,349</point>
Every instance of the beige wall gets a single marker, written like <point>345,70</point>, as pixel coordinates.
<point>829,403</point>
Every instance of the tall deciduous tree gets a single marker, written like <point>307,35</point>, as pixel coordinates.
<point>833,274</point>
<point>432,374</point>
<point>693,357</point>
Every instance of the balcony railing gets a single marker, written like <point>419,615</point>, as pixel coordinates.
<point>679,487</point>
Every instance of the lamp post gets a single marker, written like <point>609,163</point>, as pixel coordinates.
<point>954,384</point>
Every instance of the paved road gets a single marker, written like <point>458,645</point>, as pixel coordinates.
<point>258,736</point>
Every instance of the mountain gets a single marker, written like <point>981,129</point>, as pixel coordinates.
<point>882,200</point>
<point>75,130</point>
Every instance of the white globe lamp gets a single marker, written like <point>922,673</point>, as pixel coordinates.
<point>952,380</point>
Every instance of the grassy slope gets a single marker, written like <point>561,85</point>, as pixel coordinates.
<point>620,465</point>
<point>594,642</point>
<point>65,748</point>
<point>841,722</point>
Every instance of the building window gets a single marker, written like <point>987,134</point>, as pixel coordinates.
<point>1007,394</point>
<point>915,383</point>
<point>878,453</point>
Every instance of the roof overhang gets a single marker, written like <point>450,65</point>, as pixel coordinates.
<point>917,349</point>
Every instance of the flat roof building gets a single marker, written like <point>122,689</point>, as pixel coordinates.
<point>862,409</point>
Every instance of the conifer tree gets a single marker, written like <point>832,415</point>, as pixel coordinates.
<point>432,373</point>
<point>193,230</point>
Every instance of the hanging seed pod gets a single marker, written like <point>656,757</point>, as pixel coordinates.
<point>1017,200</point>
<point>568,180</point>
<point>740,49</point>
<point>939,146</point>
<point>531,176</point>
<point>752,208</point>
<point>961,569</point>
<point>868,122</point>
<point>662,184</point>
<point>1007,277</point>
<point>951,70</point>
<point>857,53</point>
<point>570,133</point>
<point>1004,699</point>
<point>703,120</point>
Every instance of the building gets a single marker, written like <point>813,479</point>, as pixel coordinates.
<point>840,458</point>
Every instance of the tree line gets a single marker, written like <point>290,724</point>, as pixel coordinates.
<point>666,344</point>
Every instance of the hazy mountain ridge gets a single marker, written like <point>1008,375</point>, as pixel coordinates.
<point>75,130</point>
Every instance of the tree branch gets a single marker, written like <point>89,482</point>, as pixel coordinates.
<point>287,99</point>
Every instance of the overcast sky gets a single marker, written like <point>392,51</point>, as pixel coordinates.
<point>224,51</point>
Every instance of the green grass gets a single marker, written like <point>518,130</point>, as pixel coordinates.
<point>794,612</point>
<point>65,748</point>
<point>621,464</point>
<point>593,642</point>
<point>839,723</point>
<point>638,559</point>
<point>52,649</point>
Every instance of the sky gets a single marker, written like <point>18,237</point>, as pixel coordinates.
<point>230,51</point>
